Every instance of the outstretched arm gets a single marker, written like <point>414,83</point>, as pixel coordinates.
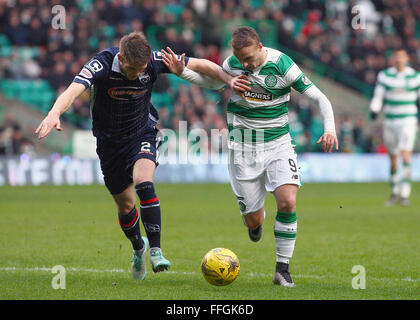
<point>209,69</point>
<point>329,138</point>
<point>63,102</point>
<point>203,73</point>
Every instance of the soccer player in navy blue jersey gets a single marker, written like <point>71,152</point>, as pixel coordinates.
<point>124,124</point>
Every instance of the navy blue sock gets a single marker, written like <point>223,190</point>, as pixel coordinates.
<point>150,212</point>
<point>130,226</point>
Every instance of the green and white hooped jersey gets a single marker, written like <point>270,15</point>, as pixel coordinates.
<point>262,115</point>
<point>400,92</point>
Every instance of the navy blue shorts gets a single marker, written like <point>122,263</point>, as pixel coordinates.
<point>117,158</point>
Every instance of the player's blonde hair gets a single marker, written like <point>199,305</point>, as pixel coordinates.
<point>135,48</point>
<point>244,37</point>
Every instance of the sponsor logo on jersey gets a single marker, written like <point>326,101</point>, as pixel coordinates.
<point>115,78</point>
<point>126,93</point>
<point>258,93</point>
<point>86,73</point>
<point>255,96</point>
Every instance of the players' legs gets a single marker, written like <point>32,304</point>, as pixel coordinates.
<point>112,156</point>
<point>250,196</point>
<point>394,161</point>
<point>253,220</point>
<point>283,180</point>
<point>400,140</point>
<point>407,142</point>
<point>248,185</point>
<point>125,201</point>
<point>391,140</point>
<point>285,226</point>
<point>128,217</point>
<point>405,189</point>
<point>143,172</point>
<point>406,156</point>
<point>394,177</point>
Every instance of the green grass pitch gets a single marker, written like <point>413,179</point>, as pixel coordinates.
<point>339,226</point>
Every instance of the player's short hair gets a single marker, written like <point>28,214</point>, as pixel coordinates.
<point>400,49</point>
<point>244,37</point>
<point>135,48</point>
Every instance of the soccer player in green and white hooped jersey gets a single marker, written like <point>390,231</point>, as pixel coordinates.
<point>261,153</point>
<point>397,92</point>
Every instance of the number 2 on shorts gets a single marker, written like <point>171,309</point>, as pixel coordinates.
<point>145,146</point>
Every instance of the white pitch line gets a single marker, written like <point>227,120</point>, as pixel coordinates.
<point>251,274</point>
<point>410,280</point>
<point>35,269</point>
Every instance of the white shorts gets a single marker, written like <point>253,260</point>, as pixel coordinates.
<point>400,134</point>
<point>254,173</point>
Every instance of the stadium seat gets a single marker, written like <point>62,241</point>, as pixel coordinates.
<point>7,88</point>
<point>85,5</point>
<point>176,81</point>
<point>4,41</point>
<point>5,50</point>
<point>174,9</point>
<point>27,52</point>
<point>109,32</point>
<point>37,93</point>
<point>316,130</point>
<point>40,85</point>
<point>212,95</point>
<point>162,99</point>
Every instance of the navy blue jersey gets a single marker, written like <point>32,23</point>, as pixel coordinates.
<point>120,108</point>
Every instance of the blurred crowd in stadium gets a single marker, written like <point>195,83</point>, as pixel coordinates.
<point>12,138</point>
<point>320,30</point>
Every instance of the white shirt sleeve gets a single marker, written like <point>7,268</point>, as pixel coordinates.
<point>292,74</point>
<point>324,105</point>
<point>378,97</point>
<point>201,80</point>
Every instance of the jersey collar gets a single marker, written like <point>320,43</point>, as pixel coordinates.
<point>116,63</point>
